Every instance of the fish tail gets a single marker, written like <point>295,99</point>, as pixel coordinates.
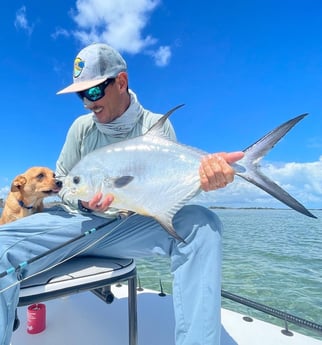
<point>248,168</point>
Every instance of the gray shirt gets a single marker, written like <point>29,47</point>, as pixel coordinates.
<point>86,135</point>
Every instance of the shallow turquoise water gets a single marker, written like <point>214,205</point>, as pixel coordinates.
<point>273,257</point>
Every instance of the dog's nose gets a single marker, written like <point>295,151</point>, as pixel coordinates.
<point>59,183</point>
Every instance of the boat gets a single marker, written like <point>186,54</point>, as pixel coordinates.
<point>83,318</point>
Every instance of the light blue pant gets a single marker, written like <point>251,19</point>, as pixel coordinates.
<point>196,264</point>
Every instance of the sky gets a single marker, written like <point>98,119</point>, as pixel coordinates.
<point>240,67</point>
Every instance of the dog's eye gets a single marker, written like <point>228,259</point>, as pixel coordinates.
<point>76,179</point>
<point>40,176</point>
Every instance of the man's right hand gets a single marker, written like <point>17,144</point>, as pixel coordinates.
<point>98,203</point>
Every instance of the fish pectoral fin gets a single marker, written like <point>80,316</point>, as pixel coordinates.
<point>122,181</point>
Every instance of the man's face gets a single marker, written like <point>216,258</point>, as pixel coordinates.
<point>114,102</point>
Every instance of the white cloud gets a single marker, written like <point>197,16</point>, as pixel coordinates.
<point>4,192</point>
<point>162,56</point>
<point>60,32</point>
<point>121,24</point>
<point>21,21</point>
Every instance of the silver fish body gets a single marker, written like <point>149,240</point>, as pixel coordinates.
<point>154,176</point>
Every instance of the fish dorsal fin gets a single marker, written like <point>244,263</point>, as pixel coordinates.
<point>157,128</point>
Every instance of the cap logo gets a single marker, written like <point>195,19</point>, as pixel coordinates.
<point>79,64</point>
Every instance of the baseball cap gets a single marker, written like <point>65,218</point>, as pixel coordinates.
<point>93,65</point>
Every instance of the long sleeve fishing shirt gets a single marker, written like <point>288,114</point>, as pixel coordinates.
<point>85,135</point>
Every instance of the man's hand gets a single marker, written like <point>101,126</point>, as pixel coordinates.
<point>215,170</point>
<point>98,203</point>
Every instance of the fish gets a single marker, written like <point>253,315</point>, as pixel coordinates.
<point>154,176</point>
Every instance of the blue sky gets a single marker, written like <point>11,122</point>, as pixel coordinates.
<point>241,68</point>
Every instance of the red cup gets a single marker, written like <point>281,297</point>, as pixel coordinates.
<point>36,318</point>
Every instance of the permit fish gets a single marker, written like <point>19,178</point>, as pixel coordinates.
<point>154,176</point>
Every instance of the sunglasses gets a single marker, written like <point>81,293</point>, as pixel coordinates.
<point>96,92</point>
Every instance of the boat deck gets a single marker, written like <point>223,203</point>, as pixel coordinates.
<point>85,319</point>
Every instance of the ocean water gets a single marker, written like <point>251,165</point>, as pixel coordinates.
<point>273,257</point>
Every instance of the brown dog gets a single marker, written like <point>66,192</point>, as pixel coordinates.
<point>27,193</point>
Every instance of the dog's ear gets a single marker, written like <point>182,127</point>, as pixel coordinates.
<point>17,183</point>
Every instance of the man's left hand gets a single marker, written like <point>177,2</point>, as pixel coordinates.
<point>215,170</point>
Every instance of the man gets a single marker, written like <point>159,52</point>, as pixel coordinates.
<point>101,81</point>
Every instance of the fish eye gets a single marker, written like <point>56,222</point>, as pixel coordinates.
<point>76,179</point>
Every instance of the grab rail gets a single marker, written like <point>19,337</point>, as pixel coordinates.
<point>274,312</point>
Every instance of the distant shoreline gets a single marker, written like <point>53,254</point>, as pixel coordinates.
<point>46,204</point>
<point>256,208</point>
<point>53,203</point>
